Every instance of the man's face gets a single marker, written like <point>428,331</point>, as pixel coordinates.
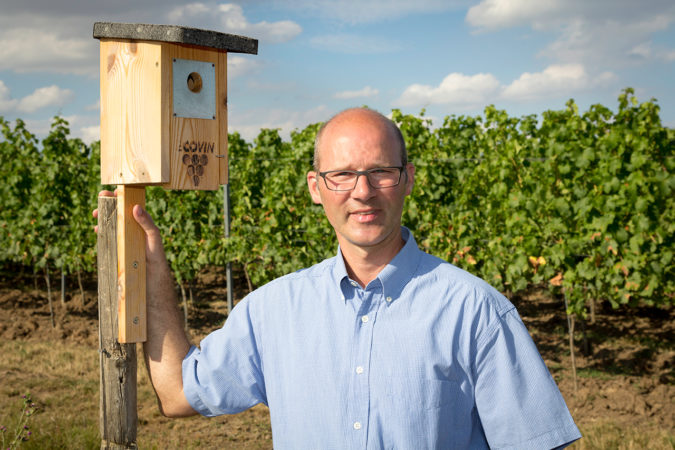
<point>365,217</point>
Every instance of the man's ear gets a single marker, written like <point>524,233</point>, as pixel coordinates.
<point>410,178</point>
<point>313,185</point>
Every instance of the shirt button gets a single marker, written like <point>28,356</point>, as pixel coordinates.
<point>357,425</point>
<point>359,370</point>
<point>388,299</point>
<point>353,283</point>
<point>364,319</point>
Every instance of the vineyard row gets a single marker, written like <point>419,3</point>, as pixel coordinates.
<point>580,203</point>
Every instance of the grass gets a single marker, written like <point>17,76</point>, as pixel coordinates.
<point>607,435</point>
<point>63,382</point>
<point>63,379</point>
<point>589,372</point>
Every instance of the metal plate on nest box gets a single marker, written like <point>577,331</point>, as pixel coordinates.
<point>194,89</point>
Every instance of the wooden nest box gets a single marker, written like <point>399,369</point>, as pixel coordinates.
<point>163,122</point>
<point>164,104</point>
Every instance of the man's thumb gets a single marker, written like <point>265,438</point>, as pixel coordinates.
<point>144,220</point>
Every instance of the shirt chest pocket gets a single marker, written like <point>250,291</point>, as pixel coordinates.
<point>421,413</point>
<point>420,393</point>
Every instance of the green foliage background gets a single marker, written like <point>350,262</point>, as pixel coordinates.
<point>582,203</point>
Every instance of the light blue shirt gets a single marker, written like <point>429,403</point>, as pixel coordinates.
<point>426,356</point>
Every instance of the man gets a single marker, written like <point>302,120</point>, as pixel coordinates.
<point>381,346</point>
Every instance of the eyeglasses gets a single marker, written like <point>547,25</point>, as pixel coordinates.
<point>378,178</point>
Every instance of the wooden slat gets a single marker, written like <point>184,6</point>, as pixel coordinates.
<point>130,266</point>
<point>200,137</point>
<point>118,419</point>
<point>133,97</point>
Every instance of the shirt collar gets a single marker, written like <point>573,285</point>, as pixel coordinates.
<point>339,268</point>
<point>401,269</point>
<point>396,274</point>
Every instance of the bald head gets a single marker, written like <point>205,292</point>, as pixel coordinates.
<point>367,116</point>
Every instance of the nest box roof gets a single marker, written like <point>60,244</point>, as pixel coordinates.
<point>176,34</point>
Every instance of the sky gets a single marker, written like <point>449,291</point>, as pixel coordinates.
<point>318,57</point>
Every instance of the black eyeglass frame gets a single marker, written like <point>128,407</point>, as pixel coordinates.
<point>358,173</point>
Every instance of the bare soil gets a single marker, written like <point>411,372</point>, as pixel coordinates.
<point>624,360</point>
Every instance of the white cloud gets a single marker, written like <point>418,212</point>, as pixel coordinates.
<point>648,51</point>
<point>31,49</point>
<point>85,127</point>
<point>605,43</point>
<point>90,134</point>
<point>40,98</point>
<point>45,97</point>
<point>191,10</point>
<point>229,18</point>
<point>554,81</point>
<point>455,89</point>
<point>360,11</point>
<point>544,14</point>
<point>249,122</point>
<point>354,44</point>
<point>496,14</point>
<point>94,106</point>
<point>258,85</point>
<point>599,33</point>
<point>58,39</point>
<point>642,50</point>
<point>7,103</point>
<point>238,66</point>
<point>471,91</point>
<point>362,93</point>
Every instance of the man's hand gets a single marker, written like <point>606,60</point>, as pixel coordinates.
<point>154,250</point>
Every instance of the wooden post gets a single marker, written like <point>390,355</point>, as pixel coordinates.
<point>118,416</point>
<point>130,266</point>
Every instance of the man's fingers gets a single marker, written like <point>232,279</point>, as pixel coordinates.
<point>153,239</point>
<point>94,213</point>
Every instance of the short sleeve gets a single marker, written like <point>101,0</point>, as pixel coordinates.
<point>224,376</point>
<point>519,403</point>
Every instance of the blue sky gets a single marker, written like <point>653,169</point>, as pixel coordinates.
<point>318,57</point>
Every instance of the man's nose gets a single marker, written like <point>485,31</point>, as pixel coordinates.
<point>363,189</point>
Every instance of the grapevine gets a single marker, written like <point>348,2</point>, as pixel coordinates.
<point>579,203</point>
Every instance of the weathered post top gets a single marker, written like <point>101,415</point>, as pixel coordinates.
<point>164,104</point>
